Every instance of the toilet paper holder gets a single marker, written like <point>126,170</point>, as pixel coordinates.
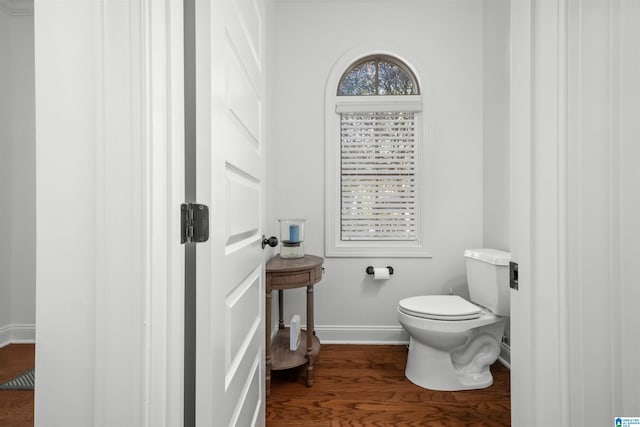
<point>369,269</point>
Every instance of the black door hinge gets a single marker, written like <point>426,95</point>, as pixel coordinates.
<point>195,223</point>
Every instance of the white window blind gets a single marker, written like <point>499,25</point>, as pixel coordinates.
<point>378,176</point>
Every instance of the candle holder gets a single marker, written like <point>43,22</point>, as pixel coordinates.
<point>291,238</point>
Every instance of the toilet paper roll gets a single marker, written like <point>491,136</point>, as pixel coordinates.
<point>380,273</point>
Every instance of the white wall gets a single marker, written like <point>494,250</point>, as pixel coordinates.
<point>23,175</point>
<point>5,177</point>
<point>443,40</point>
<point>17,161</point>
<point>495,156</point>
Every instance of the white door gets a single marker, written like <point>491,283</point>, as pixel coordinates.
<point>230,180</point>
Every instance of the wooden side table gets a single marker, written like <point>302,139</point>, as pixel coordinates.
<point>285,274</point>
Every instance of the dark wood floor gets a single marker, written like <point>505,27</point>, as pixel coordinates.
<point>357,385</point>
<point>354,385</point>
<point>16,406</point>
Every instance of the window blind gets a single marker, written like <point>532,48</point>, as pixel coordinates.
<point>378,176</point>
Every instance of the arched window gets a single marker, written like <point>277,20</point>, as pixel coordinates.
<point>377,104</point>
<point>378,75</point>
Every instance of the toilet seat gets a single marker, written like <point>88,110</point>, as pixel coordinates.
<point>440,307</point>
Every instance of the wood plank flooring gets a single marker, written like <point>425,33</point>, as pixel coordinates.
<point>16,406</point>
<point>354,385</point>
<point>358,385</point>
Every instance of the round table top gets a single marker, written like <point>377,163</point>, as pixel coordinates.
<point>281,265</point>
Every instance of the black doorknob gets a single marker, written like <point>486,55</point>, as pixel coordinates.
<point>271,241</point>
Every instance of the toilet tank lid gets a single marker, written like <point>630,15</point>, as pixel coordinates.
<point>491,256</point>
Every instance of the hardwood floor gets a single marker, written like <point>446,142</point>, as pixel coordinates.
<point>354,385</point>
<point>16,406</point>
<point>358,385</point>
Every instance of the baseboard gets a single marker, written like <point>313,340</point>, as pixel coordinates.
<point>17,334</point>
<point>361,334</point>
<point>5,335</point>
<point>390,335</point>
<point>505,355</point>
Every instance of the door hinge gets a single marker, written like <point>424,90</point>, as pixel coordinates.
<point>194,223</point>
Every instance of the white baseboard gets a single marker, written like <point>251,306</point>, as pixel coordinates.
<point>505,355</point>
<point>361,334</point>
<point>5,336</point>
<point>17,334</point>
<point>390,335</point>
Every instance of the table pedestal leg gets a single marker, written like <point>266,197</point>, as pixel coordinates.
<point>310,334</point>
<point>267,327</point>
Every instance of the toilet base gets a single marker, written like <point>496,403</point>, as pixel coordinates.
<point>435,369</point>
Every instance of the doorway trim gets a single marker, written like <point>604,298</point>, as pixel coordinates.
<point>110,180</point>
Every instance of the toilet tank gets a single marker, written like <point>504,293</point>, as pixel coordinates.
<point>488,278</point>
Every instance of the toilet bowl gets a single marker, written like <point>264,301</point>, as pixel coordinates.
<point>451,354</point>
<point>453,342</point>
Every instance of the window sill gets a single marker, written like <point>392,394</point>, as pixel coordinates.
<point>352,251</point>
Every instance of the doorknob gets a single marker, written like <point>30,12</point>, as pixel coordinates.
<point>271,241</point>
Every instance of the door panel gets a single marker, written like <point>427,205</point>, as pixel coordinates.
<point>242,207</point>
<point>230,270</point>
<point>240,326</point>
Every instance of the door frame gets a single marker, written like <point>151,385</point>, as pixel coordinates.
<point>543,108</point>
<point>573,168</point>
<point>538,212</point>
<point>110,180</point>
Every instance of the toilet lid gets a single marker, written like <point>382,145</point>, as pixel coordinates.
<point>440,307</point>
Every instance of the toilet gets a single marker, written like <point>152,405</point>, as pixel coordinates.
<point>453,342</point>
